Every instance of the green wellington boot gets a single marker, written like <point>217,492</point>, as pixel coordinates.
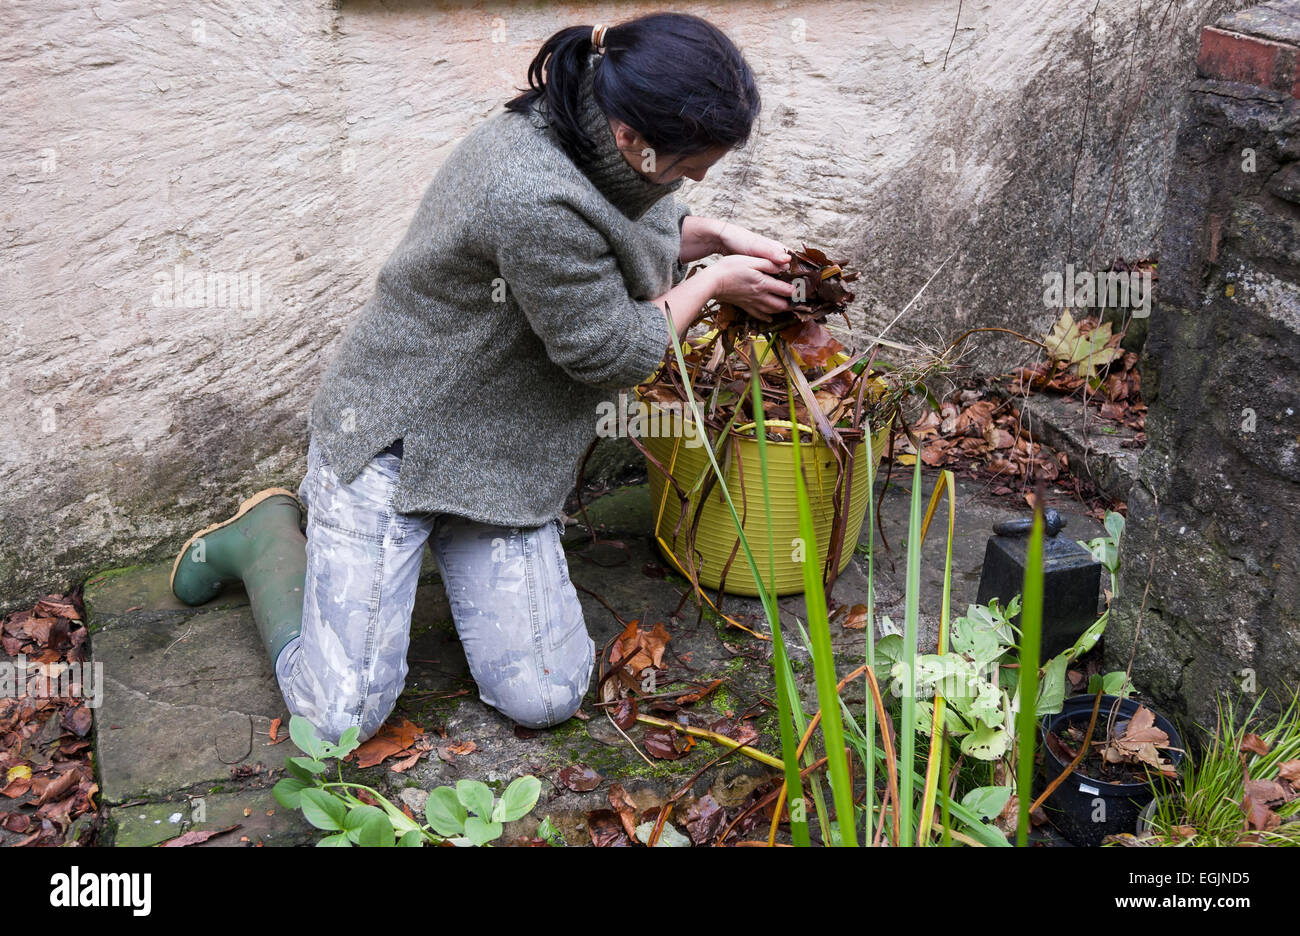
<point>262,546</point>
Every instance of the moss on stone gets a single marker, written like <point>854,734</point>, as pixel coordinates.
<point>570,743</point>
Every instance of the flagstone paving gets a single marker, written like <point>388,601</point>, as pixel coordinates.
<point>182,735</point>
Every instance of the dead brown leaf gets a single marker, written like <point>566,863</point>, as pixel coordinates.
<point>388,741</point>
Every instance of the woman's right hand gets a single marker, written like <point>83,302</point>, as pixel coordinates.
<point>747,282</point>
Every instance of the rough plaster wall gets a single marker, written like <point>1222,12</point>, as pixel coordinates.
<point>291,142</point>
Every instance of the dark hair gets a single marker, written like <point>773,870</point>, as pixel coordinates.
<point>674,78</point>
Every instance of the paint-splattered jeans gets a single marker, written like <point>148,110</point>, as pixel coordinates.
<point>515,610</point>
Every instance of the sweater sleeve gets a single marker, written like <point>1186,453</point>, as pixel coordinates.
<point>679,268</point>
<point>567,281</point>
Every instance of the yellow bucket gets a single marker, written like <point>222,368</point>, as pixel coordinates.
<point>716,535</point>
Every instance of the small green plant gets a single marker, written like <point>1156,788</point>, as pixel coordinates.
<point>1105,549</point>
<point>976,684</point>
<point>550,834</point>
<point>466,814</point>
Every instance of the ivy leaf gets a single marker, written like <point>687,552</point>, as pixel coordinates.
<point>444,812</point>
<point>1085,352</point>
<point>518,799</point>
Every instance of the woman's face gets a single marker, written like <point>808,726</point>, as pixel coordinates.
<point>661,168</point>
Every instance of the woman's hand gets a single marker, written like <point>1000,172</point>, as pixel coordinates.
<point>743,281</point>
<point>738,240</point>
<point>746,281</point>
<point>704,236</point>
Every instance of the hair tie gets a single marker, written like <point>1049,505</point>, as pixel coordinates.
<point>598,38</point>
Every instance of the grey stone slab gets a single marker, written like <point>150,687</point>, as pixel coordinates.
<point>144,588</point>
<point>267,823</point>
<point>187,697</point>
<point>1278,21</point>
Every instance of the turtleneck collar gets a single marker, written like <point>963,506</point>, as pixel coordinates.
<point>607,168</point>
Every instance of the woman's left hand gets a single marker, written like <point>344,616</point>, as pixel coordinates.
<point>738,240</point>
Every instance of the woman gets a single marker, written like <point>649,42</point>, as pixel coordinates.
<point>540,276</point>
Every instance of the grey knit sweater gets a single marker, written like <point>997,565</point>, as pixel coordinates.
<point>516,303</point>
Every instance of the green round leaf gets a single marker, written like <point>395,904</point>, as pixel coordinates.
<point>412,839</point>
<point>369,827</point>
<point>294,769</point>
<point>349,742</point>
<point>288,792</point>
<point>987,801</point>
<point>335,841</point>
<point>303,734</point>
<point>444,812</point>
<point>323,810</point>
<point>985,743</point>
<point>518,799</point>
<point>475,796</point>
<point>480,832</point>
<point>306,764</point>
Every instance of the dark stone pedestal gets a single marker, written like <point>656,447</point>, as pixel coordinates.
<point>1071,585</point>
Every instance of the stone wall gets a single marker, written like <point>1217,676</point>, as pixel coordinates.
<point>157,159</point>
<point>1213,522</point>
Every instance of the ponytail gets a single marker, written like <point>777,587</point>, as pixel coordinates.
<point>555,76</point>
<point>674,78</point>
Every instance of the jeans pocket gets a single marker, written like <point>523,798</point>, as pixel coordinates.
<point>561,560</point>
<point>566,623</point>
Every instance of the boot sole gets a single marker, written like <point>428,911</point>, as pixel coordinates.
<point>244,507</point>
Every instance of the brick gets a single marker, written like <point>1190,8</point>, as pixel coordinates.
<point>1231,56</point>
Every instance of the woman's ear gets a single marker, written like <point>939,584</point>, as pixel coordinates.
<point>627,139</point>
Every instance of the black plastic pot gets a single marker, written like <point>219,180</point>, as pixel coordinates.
<point>1085,810</point>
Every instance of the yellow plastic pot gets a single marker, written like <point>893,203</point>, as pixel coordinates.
<point>716,535</point>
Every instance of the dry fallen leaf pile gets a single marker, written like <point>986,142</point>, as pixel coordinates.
<point>1261,798</point>
<point>985,438</point>
<point>981,431</point>
<point>1085,358</point>
<point>405,743</point>
<point>46,777</point>
<point>1134,747</point>
<point>1139,742</point>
